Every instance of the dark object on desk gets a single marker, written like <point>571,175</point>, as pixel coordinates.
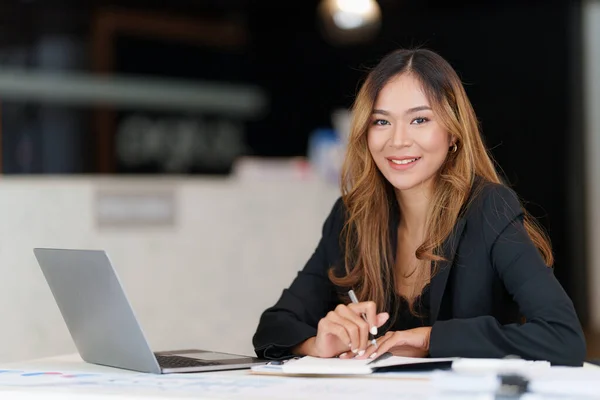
<point>511,386</point>
<point>103,325</point>
<point>441,365</point>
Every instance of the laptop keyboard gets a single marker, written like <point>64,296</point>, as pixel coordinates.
<point>181,362</point>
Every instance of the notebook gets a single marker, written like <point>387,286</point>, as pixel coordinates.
<point>389,363</point>
<point>336,366</point>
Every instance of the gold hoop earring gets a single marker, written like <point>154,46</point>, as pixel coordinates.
<point>454,148</point>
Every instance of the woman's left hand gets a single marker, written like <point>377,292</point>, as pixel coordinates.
<point>409,343</point>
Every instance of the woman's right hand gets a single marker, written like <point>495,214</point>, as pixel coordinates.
<point>343,332</point>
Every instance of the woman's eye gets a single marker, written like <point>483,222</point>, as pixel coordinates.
<point>380,122</point>
<point>419,120</point>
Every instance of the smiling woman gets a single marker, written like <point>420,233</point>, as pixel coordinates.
<point>407,137</point>
<point>443,258</point>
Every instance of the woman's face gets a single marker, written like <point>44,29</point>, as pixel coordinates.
<point>406,142</point>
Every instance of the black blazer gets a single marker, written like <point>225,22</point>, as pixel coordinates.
<point>494,276</point>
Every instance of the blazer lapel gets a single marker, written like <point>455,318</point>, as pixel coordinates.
<point>439,280</point>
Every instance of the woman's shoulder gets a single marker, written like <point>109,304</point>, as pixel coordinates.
<point>492,201</point>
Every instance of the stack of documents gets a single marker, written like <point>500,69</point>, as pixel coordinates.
<point>337,366</point>
<point>386,362</point>
<point>498,365</point>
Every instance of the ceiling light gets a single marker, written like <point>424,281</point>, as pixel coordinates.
<point>350,21</point>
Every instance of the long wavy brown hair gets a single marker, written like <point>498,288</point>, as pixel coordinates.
<point>367,195</point>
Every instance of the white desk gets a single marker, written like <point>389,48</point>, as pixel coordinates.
<point>238,384</point>
<point>130,385</point>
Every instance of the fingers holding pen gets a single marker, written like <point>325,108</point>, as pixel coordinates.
<point>347,331</point>
<point>356,326</point>
<point>357,314</point>
<point>369,310</point>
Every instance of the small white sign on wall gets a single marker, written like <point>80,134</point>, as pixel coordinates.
<point>121,208</point>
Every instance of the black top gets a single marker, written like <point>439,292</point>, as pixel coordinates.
<point>493,278</point>
<point>405,319</point>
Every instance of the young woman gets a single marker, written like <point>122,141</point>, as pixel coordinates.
<point>443,258</point>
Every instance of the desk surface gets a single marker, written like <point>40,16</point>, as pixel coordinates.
<point>73,362</point>
<point>239,384</point>
<point>118,384</point>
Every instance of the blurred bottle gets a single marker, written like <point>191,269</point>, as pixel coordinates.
<point>326,147</point>
<point>341,119</point>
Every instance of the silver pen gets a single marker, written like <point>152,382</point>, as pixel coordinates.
<point>354,299</point>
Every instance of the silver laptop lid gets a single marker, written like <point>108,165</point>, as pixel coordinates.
<point>95,308</point>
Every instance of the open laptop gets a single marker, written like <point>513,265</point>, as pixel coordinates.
<point>103,325</point>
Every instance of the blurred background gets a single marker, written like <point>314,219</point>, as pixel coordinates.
<point>199,142</point>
